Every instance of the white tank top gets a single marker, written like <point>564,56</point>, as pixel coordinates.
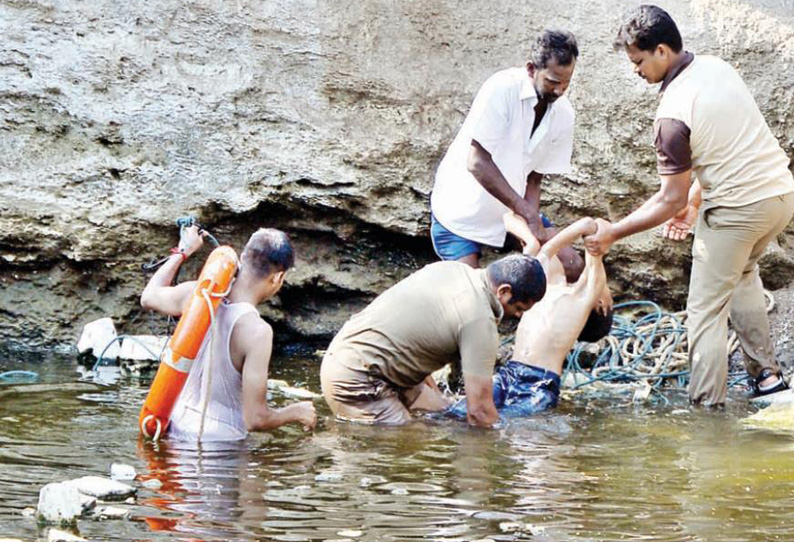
<point>224,417</point>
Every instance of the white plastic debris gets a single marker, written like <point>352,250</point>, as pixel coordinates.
<point>142,347</point>
<point>102,488</point>
<point>122,472</point>
<point>96,336</point>
<point>59,504</point>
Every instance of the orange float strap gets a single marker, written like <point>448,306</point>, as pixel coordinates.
<point>176,361</point>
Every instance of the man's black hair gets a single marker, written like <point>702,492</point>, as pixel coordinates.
<point>597,326</point>
<point>646,27</point>
<point>557,44</point>
<point>523,274</point>
<point>268,251</point>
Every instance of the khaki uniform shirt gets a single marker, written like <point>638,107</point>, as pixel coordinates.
<point>708,121</point>
<point>441,313</point>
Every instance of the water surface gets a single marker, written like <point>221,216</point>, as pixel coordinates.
<point>596,469</point>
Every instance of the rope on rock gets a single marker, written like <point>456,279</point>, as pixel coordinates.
<point>647,345</point>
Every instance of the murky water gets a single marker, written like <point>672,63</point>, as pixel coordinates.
<point>594,470</point>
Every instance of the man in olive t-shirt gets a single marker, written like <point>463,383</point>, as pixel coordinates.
<point>377,367</point>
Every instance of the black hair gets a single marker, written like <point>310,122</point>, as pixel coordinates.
<point>646,27</point>
<point>268,251</point>
<point>597,326</point>
<point>523,274</point>
<point>557,44</point>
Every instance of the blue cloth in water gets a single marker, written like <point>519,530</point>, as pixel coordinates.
<point>519,390</point>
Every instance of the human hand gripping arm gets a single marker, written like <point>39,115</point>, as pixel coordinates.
<point>159,294</point>
<point>258,416</point>
<point>678,227</point>
<point>481,165</point>
<point>669,200</point>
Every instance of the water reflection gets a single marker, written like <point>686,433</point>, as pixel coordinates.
<point>596,469</point>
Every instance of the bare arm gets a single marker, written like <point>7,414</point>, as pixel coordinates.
<point>256,339</point>
<point>592,283</point>
<point>518,226</point>
<point>583,226</point>
<point>159,294</point>
<point>481,411</point>
<point>532,197</point>
<point>481,165</point>
<point>669,200</point>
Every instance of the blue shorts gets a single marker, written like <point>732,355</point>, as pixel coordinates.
<point>449,246</point>
<point>519,390</point>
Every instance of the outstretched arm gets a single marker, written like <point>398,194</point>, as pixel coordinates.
<point>671,198</point>
<point>255,338</point>
<point>582,227</point>
<point>159,294</point>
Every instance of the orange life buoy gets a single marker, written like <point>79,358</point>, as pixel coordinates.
<point>177,359</point>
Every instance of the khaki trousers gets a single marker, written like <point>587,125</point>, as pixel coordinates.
<point>728,243</point>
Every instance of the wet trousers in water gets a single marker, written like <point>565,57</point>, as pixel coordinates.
<point>519,390</point>
<point>728,243</point>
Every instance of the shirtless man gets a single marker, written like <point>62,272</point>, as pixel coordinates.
<point>530,382</point>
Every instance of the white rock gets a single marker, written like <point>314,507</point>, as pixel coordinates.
<point>141,347</point>
<point>781,397</point>
<point>10,540</point>
<point>111,512</point>
<point>152,483</point>
<point>510,527</point>
<point>59,503</point>
<point>96,336</point>
<point>62,536</point>
<point>328,477</point>
<point>102,488</point>
<point>120,471</point>
<point>350,534</point>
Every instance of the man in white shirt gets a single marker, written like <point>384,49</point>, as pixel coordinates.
<point>519,128</point>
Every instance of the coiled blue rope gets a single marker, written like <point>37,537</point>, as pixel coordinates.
<point>19,376</point>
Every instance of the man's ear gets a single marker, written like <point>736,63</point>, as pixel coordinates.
<point>504,292</point>
<point>663,51</point>
<point>277,280</point>
<point>531,69</point>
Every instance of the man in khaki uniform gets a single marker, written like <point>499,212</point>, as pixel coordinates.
<point>378,367</point>
<point>708,123</point>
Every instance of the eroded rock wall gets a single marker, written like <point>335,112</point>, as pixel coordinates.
<point>325,119</point>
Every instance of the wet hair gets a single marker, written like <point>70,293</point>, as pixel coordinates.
<point>557,44</point>
<point>646,27</point>
<point>523,274</point>
<point>597,326</point>
<point>268,251</point>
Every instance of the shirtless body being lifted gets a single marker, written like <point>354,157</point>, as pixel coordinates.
<point>530,382</point>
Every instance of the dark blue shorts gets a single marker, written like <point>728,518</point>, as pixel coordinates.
<point>519,390</point>
<point>449,246</point>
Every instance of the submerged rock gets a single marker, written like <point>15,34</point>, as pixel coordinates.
<point>111,512</point>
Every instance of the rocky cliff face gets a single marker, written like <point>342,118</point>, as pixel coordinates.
<point>323,119</point>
